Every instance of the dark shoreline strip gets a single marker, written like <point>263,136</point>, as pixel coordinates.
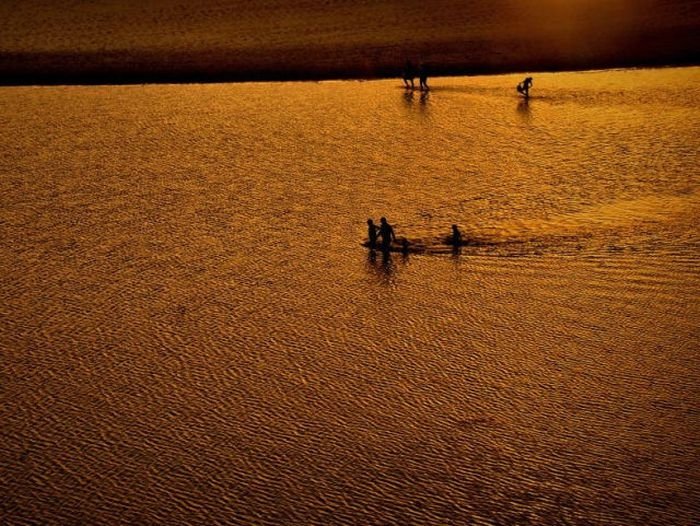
<point>159,73</point>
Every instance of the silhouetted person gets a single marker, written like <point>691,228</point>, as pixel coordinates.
<point>404,246</point>
<point>456,239</point>
<point>524,87</point>
<point>423,77</point>
<point>408,75</point>
<point>372,230</point>
<point>387,233</point>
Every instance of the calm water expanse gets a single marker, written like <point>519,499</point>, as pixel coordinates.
<point>191,333</point>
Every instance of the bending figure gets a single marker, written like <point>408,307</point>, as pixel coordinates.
<point>524,87</point>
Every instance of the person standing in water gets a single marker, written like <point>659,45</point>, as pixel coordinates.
<point>387,233</point>
<point>456,239</point>
<point>372,230</point>
<point>408,76</point>
<point>423,77</point>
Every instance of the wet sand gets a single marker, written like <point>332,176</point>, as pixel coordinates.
<point>175,41</point>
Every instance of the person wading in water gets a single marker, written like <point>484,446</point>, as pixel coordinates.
<point>372,230</point>
<point>456,239</point>
<point>387,233</point>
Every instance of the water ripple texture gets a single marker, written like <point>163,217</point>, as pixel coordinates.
<point>192,333</point>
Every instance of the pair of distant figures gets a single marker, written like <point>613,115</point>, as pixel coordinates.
<point>410,73</point>
<point>386,232</point>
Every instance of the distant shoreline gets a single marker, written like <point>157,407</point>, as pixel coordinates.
<point>44,42</point>
<point>132,74</point>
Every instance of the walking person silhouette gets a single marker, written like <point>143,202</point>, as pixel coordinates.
<point>408,75</point>
<point>423,77</point>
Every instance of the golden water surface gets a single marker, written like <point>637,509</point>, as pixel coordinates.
<point>191,333</point>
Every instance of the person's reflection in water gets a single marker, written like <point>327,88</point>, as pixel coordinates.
<point>383,267</point>
<point>424,98</point>
<point>372,258</point>
<point>524,109</point>
<point>456,256</point>
<point>422,108</point>
<point>408,97</point>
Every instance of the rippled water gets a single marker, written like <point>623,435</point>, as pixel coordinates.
<point>191,332</point>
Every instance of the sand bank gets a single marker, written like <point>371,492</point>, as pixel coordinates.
<point>172,41</point>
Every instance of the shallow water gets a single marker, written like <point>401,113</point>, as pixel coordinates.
<point>192,333</point>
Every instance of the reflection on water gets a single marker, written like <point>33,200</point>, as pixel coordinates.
<point>381,267</point>
<point>424,97</point>
<point>524,110</point>
<point>385,266</point>
<point>191,332</point>
<point>419,103</point>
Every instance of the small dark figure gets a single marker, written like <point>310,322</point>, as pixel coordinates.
<point>524,87</point>
<point>372,230</point>
<point>404,246</point>
<point>387,233</point>
<point>408,75</point>
<point>456,239</point>
<point>423,77</point>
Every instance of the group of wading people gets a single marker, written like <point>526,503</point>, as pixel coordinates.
<point>386,232</point>
<point>410,73</point>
